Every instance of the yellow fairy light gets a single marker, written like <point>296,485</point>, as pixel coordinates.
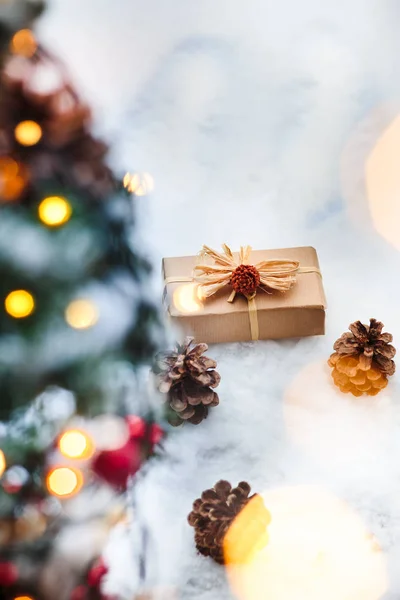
<point>76,444</point>
<point>139,184</point>
<point>3,463</point>
<point>186,299</point>
<point>54,211</point>
<point>23,598</point>
<point>28,133</point>
<point>64,482</point>
<point>23,43</point>
<point>81,314</point>
<point>19,304</point>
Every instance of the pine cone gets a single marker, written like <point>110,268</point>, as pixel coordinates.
<point>188,378</point>
<point>215,519</point>
<point>362,360</point>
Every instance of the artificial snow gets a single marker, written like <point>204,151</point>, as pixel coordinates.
<point>263,123</point>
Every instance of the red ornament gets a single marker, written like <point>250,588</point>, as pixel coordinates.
<point>140,430</point>
<point>97,573</point>
<point>137,427</point>
<point>79,593</point>
<point>116,466</point>
<point>156,434</point>
<point>8,574</point>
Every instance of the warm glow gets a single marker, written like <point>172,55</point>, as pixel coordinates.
<point>28,133</point>
<point>54,211</point>
<point>382,179</point>
<point>23,43</point>
<point>76,444</point>
<point>19,304</point>
<point>3,463</point>
<point>12,179</point>
<point>248,534</point>
<point>109,432</point>
<point>186,299</point>
<point>139,184</point>
<point>332,428</point>
<point>81,314</point>
<point>318,548</point>
<point>23,598</point>
<point>64,482</point>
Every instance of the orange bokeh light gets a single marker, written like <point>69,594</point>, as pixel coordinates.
<point>64,482</point>
<point>23,43</point>
<point>318,548</point>
<point>12,179</point>
<point>3,463</point>
<point>382,181</point>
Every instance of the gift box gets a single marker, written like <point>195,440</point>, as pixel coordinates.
<point>266,313</point>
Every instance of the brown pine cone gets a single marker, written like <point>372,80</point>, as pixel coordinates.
<point>188,378</point>
<point>362,360</point>
<point>215,518</point>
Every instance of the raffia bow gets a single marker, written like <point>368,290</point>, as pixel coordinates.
<point>245,278</point>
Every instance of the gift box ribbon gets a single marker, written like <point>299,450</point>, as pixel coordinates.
<point>215,270</point>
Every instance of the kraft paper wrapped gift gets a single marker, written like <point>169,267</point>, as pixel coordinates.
<point>298,312</point>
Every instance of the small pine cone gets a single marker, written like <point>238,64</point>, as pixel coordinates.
<point>245,280</point>
<point>188,378</point>
<point>349,375</point>
<point>215,518</point>
<point>191,402</point>
<point>362,360</point>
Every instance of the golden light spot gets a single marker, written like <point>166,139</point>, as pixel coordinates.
<point>382,179</point>
<point>248,533</point>
<point>12,179</point>
<point>76,444</point>
<point>81,314</point>
<point>64,482</point>
<point>19,304</point>
<point>3,463</point>
<point>186,298</point>
<point>54,211</point>
<point>332,428</point>
<point>139,184</point>
<point>317,548</point>
<point>28,133</point>
<point>23,598</point>
<point>23,43</point>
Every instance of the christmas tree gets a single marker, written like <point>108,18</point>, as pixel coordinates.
<point>76,319</point>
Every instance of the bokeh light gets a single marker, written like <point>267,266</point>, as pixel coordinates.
<point>139,184</point>
<point>14,479</point>
<point>76,444</point>
<point>19,304</point>
<point>12,179</point>
<point>318,548</point>
<point>23,598</point>
<point>248,534</point>
<point>186,298</point>
<point>54,211</point>
<point>81,314</point>
<point>23,43</point>
<point>382,180</point>
<point>28,133</point>
<point>109,432</point>
<point>3,463</point>
<point>64,482</point>
<point>332,428</point>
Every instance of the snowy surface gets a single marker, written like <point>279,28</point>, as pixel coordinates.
<point>261,122</point>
